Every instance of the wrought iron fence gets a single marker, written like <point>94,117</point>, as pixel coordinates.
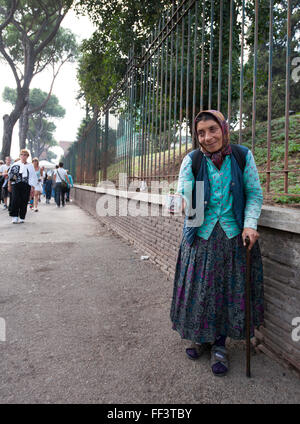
<point>197,58</point>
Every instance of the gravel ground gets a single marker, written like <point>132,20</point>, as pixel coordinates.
<point>88,322</point>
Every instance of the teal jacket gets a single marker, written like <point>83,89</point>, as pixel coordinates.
<point>231,196</point>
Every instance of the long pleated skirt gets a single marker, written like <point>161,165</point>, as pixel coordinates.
<point>209,288</point>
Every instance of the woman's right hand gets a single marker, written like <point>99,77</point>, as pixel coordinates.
<point>253,236</point>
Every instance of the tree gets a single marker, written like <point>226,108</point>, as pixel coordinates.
<point>28,45</point>
<point>279,59</point>
<point>40,136</point>
<point>37,97</point>
<point>50,155</point>
<point>100,68</point>
<point>64,49</point>
<point>120,25</point>
<point>103,58</point>
<point>40,129</point>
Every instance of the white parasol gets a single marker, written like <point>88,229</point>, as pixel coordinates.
<point>46,164</point>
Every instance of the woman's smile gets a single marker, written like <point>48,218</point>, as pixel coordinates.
<point>210,135</point>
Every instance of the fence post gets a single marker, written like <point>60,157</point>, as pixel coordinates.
<point>105,145</point>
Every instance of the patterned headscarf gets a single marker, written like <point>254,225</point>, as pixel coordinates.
<point>216,157</point>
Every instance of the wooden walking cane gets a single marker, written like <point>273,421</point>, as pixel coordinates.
<point>247,311</point>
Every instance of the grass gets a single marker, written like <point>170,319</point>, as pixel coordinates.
<point>113,169</point>
<point>260,153</point>
<point>277,153</point>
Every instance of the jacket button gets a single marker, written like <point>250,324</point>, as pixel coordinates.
<point>233,183</point>
<point>205,202</point>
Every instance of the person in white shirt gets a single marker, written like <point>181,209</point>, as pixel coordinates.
<point>4,177</point>
<point>21,182</point>
<point>39,188</point>
<point>59,177</point>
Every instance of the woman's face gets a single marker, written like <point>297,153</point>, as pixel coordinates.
<point>210,135</point>
<point>23,157</point>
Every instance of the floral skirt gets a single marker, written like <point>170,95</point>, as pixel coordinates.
<point>209,288</point>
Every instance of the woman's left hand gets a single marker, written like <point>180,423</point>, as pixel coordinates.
<point>252,234</point>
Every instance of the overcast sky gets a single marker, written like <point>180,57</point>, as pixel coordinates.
<point>65,88</point>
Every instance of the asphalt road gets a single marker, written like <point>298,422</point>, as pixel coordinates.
<point>87,321</point>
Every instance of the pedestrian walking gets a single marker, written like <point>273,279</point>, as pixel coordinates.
<point>5,195</point>
<point>21,183</point>
<point>1,182</point>
<point>48,185</point>
<point>208,303</point>
<point>60,177</point>
<point>39,187</point>
<point>53,183</point>
<point>69,186</point>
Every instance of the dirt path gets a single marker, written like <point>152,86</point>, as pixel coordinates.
<point>88,322</point>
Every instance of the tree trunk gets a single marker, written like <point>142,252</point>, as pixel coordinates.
<point>30,144</point>
<point>23,127</point>
<point>8,126</point>
<point>9,122</point>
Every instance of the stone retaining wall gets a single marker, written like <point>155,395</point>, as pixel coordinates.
<point>159,237</point>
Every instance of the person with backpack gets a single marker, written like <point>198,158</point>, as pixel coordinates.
<point>59,177</point>
<point>69,186</point>
<point>22,180</point>
<point>48,185</point>
<point>208,303</point>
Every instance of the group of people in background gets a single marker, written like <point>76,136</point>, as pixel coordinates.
<point>23,182</point>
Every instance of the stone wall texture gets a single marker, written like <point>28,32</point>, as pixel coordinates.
<point>159,237</point>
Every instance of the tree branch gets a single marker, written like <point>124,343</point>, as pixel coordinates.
<point>14,5</point>
<point>19,27</point>
<point>42,105</point>
<point>52,33</point>
<point>10,62</point>
<point>38,71</point>
<point>47,21</point>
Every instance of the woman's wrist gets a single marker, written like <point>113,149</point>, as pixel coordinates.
<point>250,223</point>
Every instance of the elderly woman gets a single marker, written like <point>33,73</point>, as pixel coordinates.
<point>22,180</point>
<point>208,301</point>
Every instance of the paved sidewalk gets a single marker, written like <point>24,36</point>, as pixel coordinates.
<point>88,322</point>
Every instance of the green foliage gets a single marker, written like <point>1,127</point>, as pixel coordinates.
<point>30,40</point>
<point>63,46</point>
<point>82,127</point>
<point>100,68</point>
<point>277,153</point>
<point>34,22</point>
<point>278,60</point>
<point>40,135</point>
<point>104,56</point>
<point>50,155</point>
<point>289,199</point>
<point>9,95</point>
<point>52,109</point>
<point>40,131</point>
<point>121,25</point>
